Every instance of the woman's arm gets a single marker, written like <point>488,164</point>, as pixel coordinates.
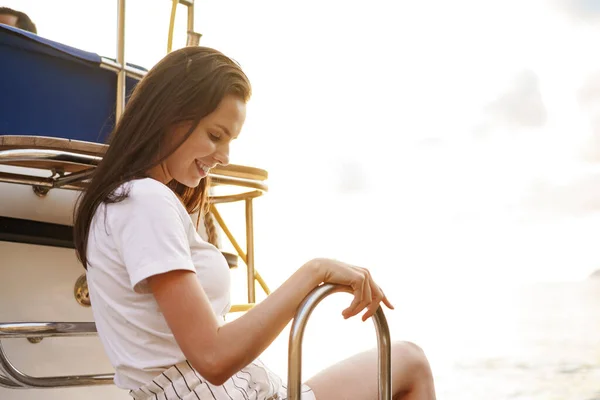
<point>219,352</point>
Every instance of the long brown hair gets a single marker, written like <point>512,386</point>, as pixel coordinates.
<point>184,87</point>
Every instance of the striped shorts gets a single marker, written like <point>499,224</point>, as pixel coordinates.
<point>182,382</point>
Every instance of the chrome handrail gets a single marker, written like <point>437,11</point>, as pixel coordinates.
<point>7,383</point>
<point>20,155</point>
<point>28,381</point>
<point>13,330</point>
<point>297,333</point>
<point>15,379</point>
<point>130,71</point>
<point>86,160</point>
<point>46,183</point>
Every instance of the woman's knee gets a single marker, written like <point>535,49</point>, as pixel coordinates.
<point>408,349</point>
<point>411,355</point>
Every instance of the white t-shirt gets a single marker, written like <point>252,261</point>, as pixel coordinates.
<point>148,233</point>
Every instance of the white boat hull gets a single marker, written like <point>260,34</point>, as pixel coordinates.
<point>37,285</point>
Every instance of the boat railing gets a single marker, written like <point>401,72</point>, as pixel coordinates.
<point>303,313</point>
<point>12,378</point>
<point>119,65</point>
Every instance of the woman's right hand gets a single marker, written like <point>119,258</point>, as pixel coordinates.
<point>367,294</point>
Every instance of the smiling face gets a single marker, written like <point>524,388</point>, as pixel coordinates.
<point>206,147</point>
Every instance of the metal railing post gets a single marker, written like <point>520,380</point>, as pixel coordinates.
<point>250,251</point>
<point>297,333</point>
<point>121,74</point>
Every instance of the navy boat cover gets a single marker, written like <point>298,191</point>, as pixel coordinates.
<point>50,89</point>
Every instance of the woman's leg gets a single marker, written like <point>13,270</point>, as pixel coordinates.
<point>356,377</point>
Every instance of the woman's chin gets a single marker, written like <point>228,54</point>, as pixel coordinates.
<point>190,182</point>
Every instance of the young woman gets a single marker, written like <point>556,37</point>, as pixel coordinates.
<point>159,292</point>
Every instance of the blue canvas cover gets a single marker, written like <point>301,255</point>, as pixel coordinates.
<point>50,89</point>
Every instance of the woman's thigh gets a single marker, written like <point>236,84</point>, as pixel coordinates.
<point>356,377</point>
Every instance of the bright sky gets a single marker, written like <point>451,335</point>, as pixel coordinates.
<point>472,117</point>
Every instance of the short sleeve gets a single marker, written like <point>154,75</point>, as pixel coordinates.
<point>150,233</point>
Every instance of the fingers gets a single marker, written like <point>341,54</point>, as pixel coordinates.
<point>362,294</point>
<point>350,311</point>
<point>385,300</point>
<point>367,294</point>
<point>376,297</point>
<point>387,303</point>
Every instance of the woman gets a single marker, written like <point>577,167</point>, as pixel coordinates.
<point>159,292</point>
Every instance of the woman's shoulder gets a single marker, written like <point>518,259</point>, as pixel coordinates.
<point>147,193</point>
<point>144,199</point>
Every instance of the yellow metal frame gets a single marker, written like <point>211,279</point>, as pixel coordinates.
<point>246,177</point>
<point>174,5</point>
<point>193,37</point>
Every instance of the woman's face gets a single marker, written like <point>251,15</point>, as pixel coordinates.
<point>207,146</point>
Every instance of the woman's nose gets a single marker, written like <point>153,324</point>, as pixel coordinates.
<point>222,156</point>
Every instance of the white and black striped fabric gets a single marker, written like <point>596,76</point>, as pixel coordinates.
<point>182,382</point>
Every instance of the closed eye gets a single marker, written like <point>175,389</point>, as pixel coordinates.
<point>214,137</point>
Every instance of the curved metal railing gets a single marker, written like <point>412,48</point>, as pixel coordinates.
<point>12,378</point>
<point>297,333</point>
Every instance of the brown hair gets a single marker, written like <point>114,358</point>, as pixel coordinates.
<point>184,87</point>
